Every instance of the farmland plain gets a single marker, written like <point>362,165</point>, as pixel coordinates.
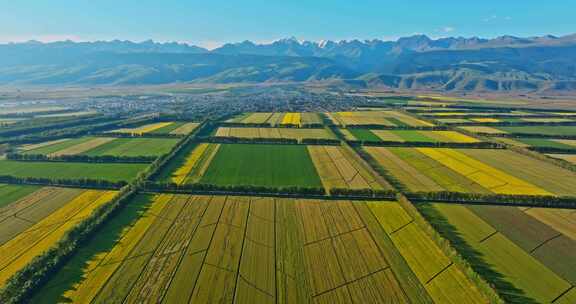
<point>334,219</point>
<point>198,249</point>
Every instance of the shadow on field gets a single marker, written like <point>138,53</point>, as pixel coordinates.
<point>101,242</point>
<point>506,290</point>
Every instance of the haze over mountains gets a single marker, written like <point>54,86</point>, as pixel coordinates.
<point>505,63</point>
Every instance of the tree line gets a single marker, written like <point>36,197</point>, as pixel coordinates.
<point>230,189</point>
<point>493,198</point>
<point>514,123</point>
<point>474,145</point>
<point>74,131</point>
<point>528,135</point>
<point>80,183</point>
<point>197,188</point>
<point>80,158</point>
<point>269,125</point>
<point>553,150</point>
<point>139,135</point>
<point>269,140</point>
<point>364,193</point>
<point>384,127</point>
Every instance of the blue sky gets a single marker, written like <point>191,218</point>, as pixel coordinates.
<point>210,23</point>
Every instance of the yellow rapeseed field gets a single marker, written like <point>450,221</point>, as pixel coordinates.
<point>457,137</point>
<point>486,119</point>
<point>21,250</point>
<point>181,174</point>
<point>291,119</point>
<point>144,129</point>
<point>489,177</point>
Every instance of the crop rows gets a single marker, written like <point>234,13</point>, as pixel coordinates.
<point>408,136</point>
<point>337,170</point>
<point>203,249</point>
<point>37,221</point>
<point>290,133</point>
<point>473,170</point>
<point>519,246</point>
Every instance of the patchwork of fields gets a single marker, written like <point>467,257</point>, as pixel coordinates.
<point>202,249</point>
<point>520,244</point>
<point>382,118</point>
<point>177,128</point>
<point>519,130</point>
<point>275,119</point>
<point>290,133</point>
<point>280,240</point>
<point>34,219</point>
<point>473,170</point>
<point>407,136</point>
<point>100,146</point>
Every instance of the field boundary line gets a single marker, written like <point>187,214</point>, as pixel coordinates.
<point>338,169</point>
<point>273,195</point>
<point>208,247</point>
<point>238,273</point>
<point>16,216</point>
<point>185,249</point>
<point>334,236</point>
<point>488,236</point>
<point>393,251</point>
<point>402,227</point>
<point>440,272</point>
<point>155,249</point>
<point>352,281</point>
<point>545,242</point>
<point>562,294</point>
<point>253,285</point>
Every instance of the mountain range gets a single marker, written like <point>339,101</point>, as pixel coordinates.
<point>506,63</point>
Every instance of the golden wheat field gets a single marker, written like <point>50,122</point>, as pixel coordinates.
<point>199,249</point>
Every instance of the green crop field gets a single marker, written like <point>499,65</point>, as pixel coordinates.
<point>262,165</point>
<point>492,248</point>
<point>544,142</point>
<point>11,193</point>
<point>134,147</point>
<point>364,134</point>
<point>169,128</point>
<point>108,171</point>
<point>544,130</point>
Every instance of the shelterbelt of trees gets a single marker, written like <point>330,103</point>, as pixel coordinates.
<point>80,158</point>
<point>259,190</point>
<point>78,183</point>
<point>500,199</point>
<point>474,145</point>
<point>260,140</point>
